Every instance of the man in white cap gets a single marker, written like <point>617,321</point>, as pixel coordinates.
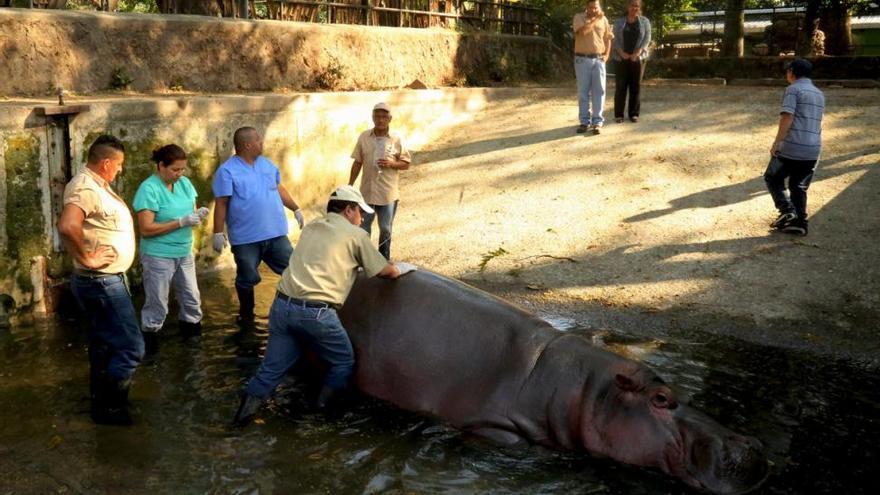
<point>381,155</point>
<point>321,273</point>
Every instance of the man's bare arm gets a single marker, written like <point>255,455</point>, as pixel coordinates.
<point>355,170</point>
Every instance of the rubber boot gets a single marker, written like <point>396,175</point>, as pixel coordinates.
<point>97,394</point>
<point>188,330</point>
<point>111,406</point>
<point>248,406</point>
<point>151,344</point>
<point>245,305</point>
<point>327,398</point>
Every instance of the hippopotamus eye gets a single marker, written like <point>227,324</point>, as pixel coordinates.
<point>663,400</point>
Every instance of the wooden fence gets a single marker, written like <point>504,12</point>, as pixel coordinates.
<point>487,15</point>
<point>500,16</point>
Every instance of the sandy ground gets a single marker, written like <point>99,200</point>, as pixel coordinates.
<point>660,225</point>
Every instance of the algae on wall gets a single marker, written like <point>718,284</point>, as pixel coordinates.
<point>24,211</point>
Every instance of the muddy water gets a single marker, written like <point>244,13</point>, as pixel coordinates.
<point>819,419</point>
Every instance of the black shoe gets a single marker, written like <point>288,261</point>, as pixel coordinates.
<point>188,330</point>
<point>151,343</point>
<point>796,227</point>
<point>582,129</point>
<point>619,120</point>
<point>247,408</point>
<point>782,220</point>
<point>597,129</point>
<point>634,119</point>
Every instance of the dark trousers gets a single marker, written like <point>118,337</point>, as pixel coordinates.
<point>799,174</point>
<point>274,252</point>
<point>386,214</point>
<point>628,77</point>
<point>115,343</point>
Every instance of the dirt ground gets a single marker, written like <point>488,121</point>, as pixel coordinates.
<point>659,226</point>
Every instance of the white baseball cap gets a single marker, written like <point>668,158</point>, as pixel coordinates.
<point>382,106</point>
<point>350,193</point>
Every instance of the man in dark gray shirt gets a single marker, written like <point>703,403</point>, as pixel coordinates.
<point>795,151</point>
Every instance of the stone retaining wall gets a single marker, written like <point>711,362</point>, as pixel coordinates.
<point>88,52</point>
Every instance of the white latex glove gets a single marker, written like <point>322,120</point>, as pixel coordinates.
<point>299,218</point>
<point>189,220</point>
<point>219,241</point>
<point>405,267</point>
<point>203,212</point>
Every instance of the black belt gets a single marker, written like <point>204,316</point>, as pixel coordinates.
<point>95,275</point>
<point>302,302</point>
<point>588,55</point>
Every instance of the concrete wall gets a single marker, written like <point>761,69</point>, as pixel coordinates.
<point>86,51</point>
<point>310,137</point>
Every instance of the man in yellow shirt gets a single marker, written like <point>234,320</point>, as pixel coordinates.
<point>592,46</point>
<point>98,231</point>
<point>380,155</point>
<point>321,273</point>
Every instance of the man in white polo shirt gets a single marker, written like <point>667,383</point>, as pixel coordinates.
<point>321,273</point>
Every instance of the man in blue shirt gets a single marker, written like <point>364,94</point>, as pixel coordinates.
<point>795,151</point>
<point>250,201</point>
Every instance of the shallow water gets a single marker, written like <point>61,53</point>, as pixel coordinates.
<point>818,418</point>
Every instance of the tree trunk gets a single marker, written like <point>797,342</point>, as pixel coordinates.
<point>214,8</point>
<point>811,24</point>
<point>734,18</point>
<point>836,22</point>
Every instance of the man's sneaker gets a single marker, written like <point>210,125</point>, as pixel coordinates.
<point>582,129</point>
<point>782,220</point>
<point>796,227</point>
<point>597,129</point>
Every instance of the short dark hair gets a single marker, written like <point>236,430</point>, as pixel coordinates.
<point>168,154</point>
<point>105,146</point>
<point>338,205</point>
<point>800,67</point>
<point>240,137</point>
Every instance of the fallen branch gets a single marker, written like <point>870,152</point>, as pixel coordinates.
<point>565,258</point>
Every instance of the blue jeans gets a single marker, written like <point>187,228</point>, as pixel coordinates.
<point>160,275</point>
<point>291,324</point>
<point>590,74</point>
<point>274,252</point>
<point>386,218</point>
<point>115,343</point>
<point>799,174</point>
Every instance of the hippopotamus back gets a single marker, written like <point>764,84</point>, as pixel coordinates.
<point>432,345</point>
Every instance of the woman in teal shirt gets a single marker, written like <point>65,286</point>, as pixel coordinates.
<point>166,209</point>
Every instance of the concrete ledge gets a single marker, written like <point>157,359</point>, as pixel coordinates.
<point>836,68</point>
<point>832,83</point>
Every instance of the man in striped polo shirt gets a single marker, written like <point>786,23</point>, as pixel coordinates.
<point>795,151</point>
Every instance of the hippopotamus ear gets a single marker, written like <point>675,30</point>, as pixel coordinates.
<point>625,383</point>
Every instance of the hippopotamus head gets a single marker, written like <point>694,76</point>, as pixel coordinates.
<point>644,423</point>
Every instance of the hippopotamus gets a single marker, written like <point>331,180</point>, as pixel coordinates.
<point>439,347</point>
